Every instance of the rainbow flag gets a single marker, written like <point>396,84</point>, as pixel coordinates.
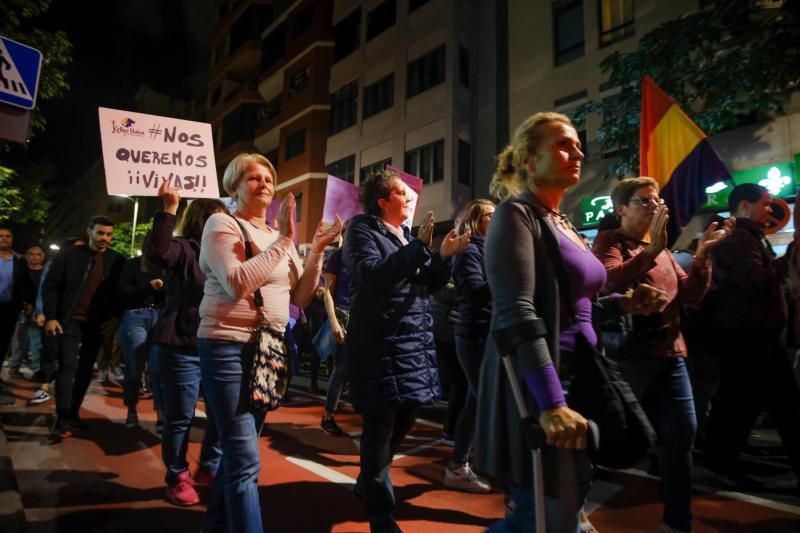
<point>675,152</point>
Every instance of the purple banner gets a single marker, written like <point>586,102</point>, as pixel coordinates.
<point>341,198</point>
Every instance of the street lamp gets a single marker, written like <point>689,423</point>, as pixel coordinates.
<point>135,216</point>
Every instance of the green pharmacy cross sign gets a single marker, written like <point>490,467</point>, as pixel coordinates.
<point>779,179</point>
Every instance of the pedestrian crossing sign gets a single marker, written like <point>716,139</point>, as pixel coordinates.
<point>19,73</point>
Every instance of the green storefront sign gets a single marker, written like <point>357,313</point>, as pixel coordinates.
<point>779,178</point>
<point>594,209</point>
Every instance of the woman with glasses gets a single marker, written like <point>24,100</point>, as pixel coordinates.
<point>652,356</point>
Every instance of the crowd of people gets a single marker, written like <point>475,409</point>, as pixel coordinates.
<point>214,307</point>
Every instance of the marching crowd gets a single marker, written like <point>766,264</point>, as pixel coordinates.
<point>512,300</point>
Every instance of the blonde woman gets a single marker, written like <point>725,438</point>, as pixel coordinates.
<point>538,267</point>
<point>475,312</point>
<point>228,316</point>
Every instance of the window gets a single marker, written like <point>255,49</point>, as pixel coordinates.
<point>413,5</point>
<point>298,210</point>
<point>215,95</point>
<point>584,143</point>
<point>463,66</point>
<point>374,168</point>
<point>299,81</point>
<point>295,144</point>
<point>427,162</point>
<point>302,22</point>
<point>616,20</point>
<point>568,30</point>
<point>344,169</point>
<point>378,96</point>
<point>273,47</point>
<point>239,125</point>
<point>344,107</point>
<point>425,72</point>
<point>347,34</point>
<point>464,162</point>
<point>270,111</point>
<point>381,18</point>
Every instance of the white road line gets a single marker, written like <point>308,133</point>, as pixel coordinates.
<point>323,471</point>
<point>417,449</point>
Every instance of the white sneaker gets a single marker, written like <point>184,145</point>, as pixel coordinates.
<point>39,397</point>
<point>463,478</point>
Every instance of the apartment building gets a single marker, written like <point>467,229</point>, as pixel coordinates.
<point>401,93</point>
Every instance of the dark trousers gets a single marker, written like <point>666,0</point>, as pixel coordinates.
<point>78,347</point>
<point>381,436</point>
<point>8,323</point>
<point>454,383</point>
<point>755,375</point>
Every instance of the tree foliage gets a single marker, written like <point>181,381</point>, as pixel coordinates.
<point>122,237</point>
<point>21,202</point>
<point>723,65</point>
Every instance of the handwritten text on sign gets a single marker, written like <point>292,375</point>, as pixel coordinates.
<point>142,151</point>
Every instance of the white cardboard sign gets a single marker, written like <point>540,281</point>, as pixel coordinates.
<point>141,151</point>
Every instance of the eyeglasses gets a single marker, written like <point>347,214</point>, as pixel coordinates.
<point>647,202</point>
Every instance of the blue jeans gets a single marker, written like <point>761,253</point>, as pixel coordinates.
<point>27,336</point>
<point>180,374</point>
<point>224,367</point>
<point>662,386</point>
<point>134,333</point>
<point>470,354</point>
<point>337,381</point>
<point>381,436</point>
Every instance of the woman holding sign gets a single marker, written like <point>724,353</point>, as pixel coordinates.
<point>175,333</point>
<point>253,273</point>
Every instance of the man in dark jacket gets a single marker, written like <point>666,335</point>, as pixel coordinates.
<point>747,312</point>
<point>79,299</point>
<point>16,290</point>
<point>392,357</point>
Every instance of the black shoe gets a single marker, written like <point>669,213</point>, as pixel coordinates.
<point>358,490</point>
<point>132,421</point>
<point>61,429</point>
<point>330,427</point>
<point>77,424</point>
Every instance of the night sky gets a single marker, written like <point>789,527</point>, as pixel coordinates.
<point>118,45</point>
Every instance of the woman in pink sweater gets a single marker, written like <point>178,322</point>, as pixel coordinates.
<point>228,316</point>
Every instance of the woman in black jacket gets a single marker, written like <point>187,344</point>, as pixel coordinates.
<point>176,335</point>
<point>474,314</point>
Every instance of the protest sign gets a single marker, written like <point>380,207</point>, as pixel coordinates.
<point>141,151</point>
<point>341,198</point>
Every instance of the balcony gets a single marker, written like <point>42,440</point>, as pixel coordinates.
<point>240,64</point>
<point>245,94</point>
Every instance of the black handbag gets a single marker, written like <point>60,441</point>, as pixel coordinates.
<point>268,378</point>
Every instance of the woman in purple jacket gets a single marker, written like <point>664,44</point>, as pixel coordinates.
<point>176,336</point>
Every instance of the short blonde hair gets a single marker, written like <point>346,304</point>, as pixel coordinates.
<point>511,175</point>
<point>470,216</point>
<point>625,189</point>
<point>234,172</point>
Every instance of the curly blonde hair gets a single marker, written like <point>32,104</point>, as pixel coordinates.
<point>511,175</point>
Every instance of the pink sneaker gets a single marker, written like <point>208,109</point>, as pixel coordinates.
<point>203,477</point>
<point>181,492</point>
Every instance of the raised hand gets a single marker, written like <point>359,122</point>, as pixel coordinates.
<point>658,231</point>
<point>156,284</point>
<point>454,244</point>
<point>644,300</point>
<point>171,196</point>
<point>326,234</point>
<point>286,224</point>
<point>712,236</point>
<point>425,230</point>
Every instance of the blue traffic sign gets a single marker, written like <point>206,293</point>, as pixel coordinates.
<point>19,73</point>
